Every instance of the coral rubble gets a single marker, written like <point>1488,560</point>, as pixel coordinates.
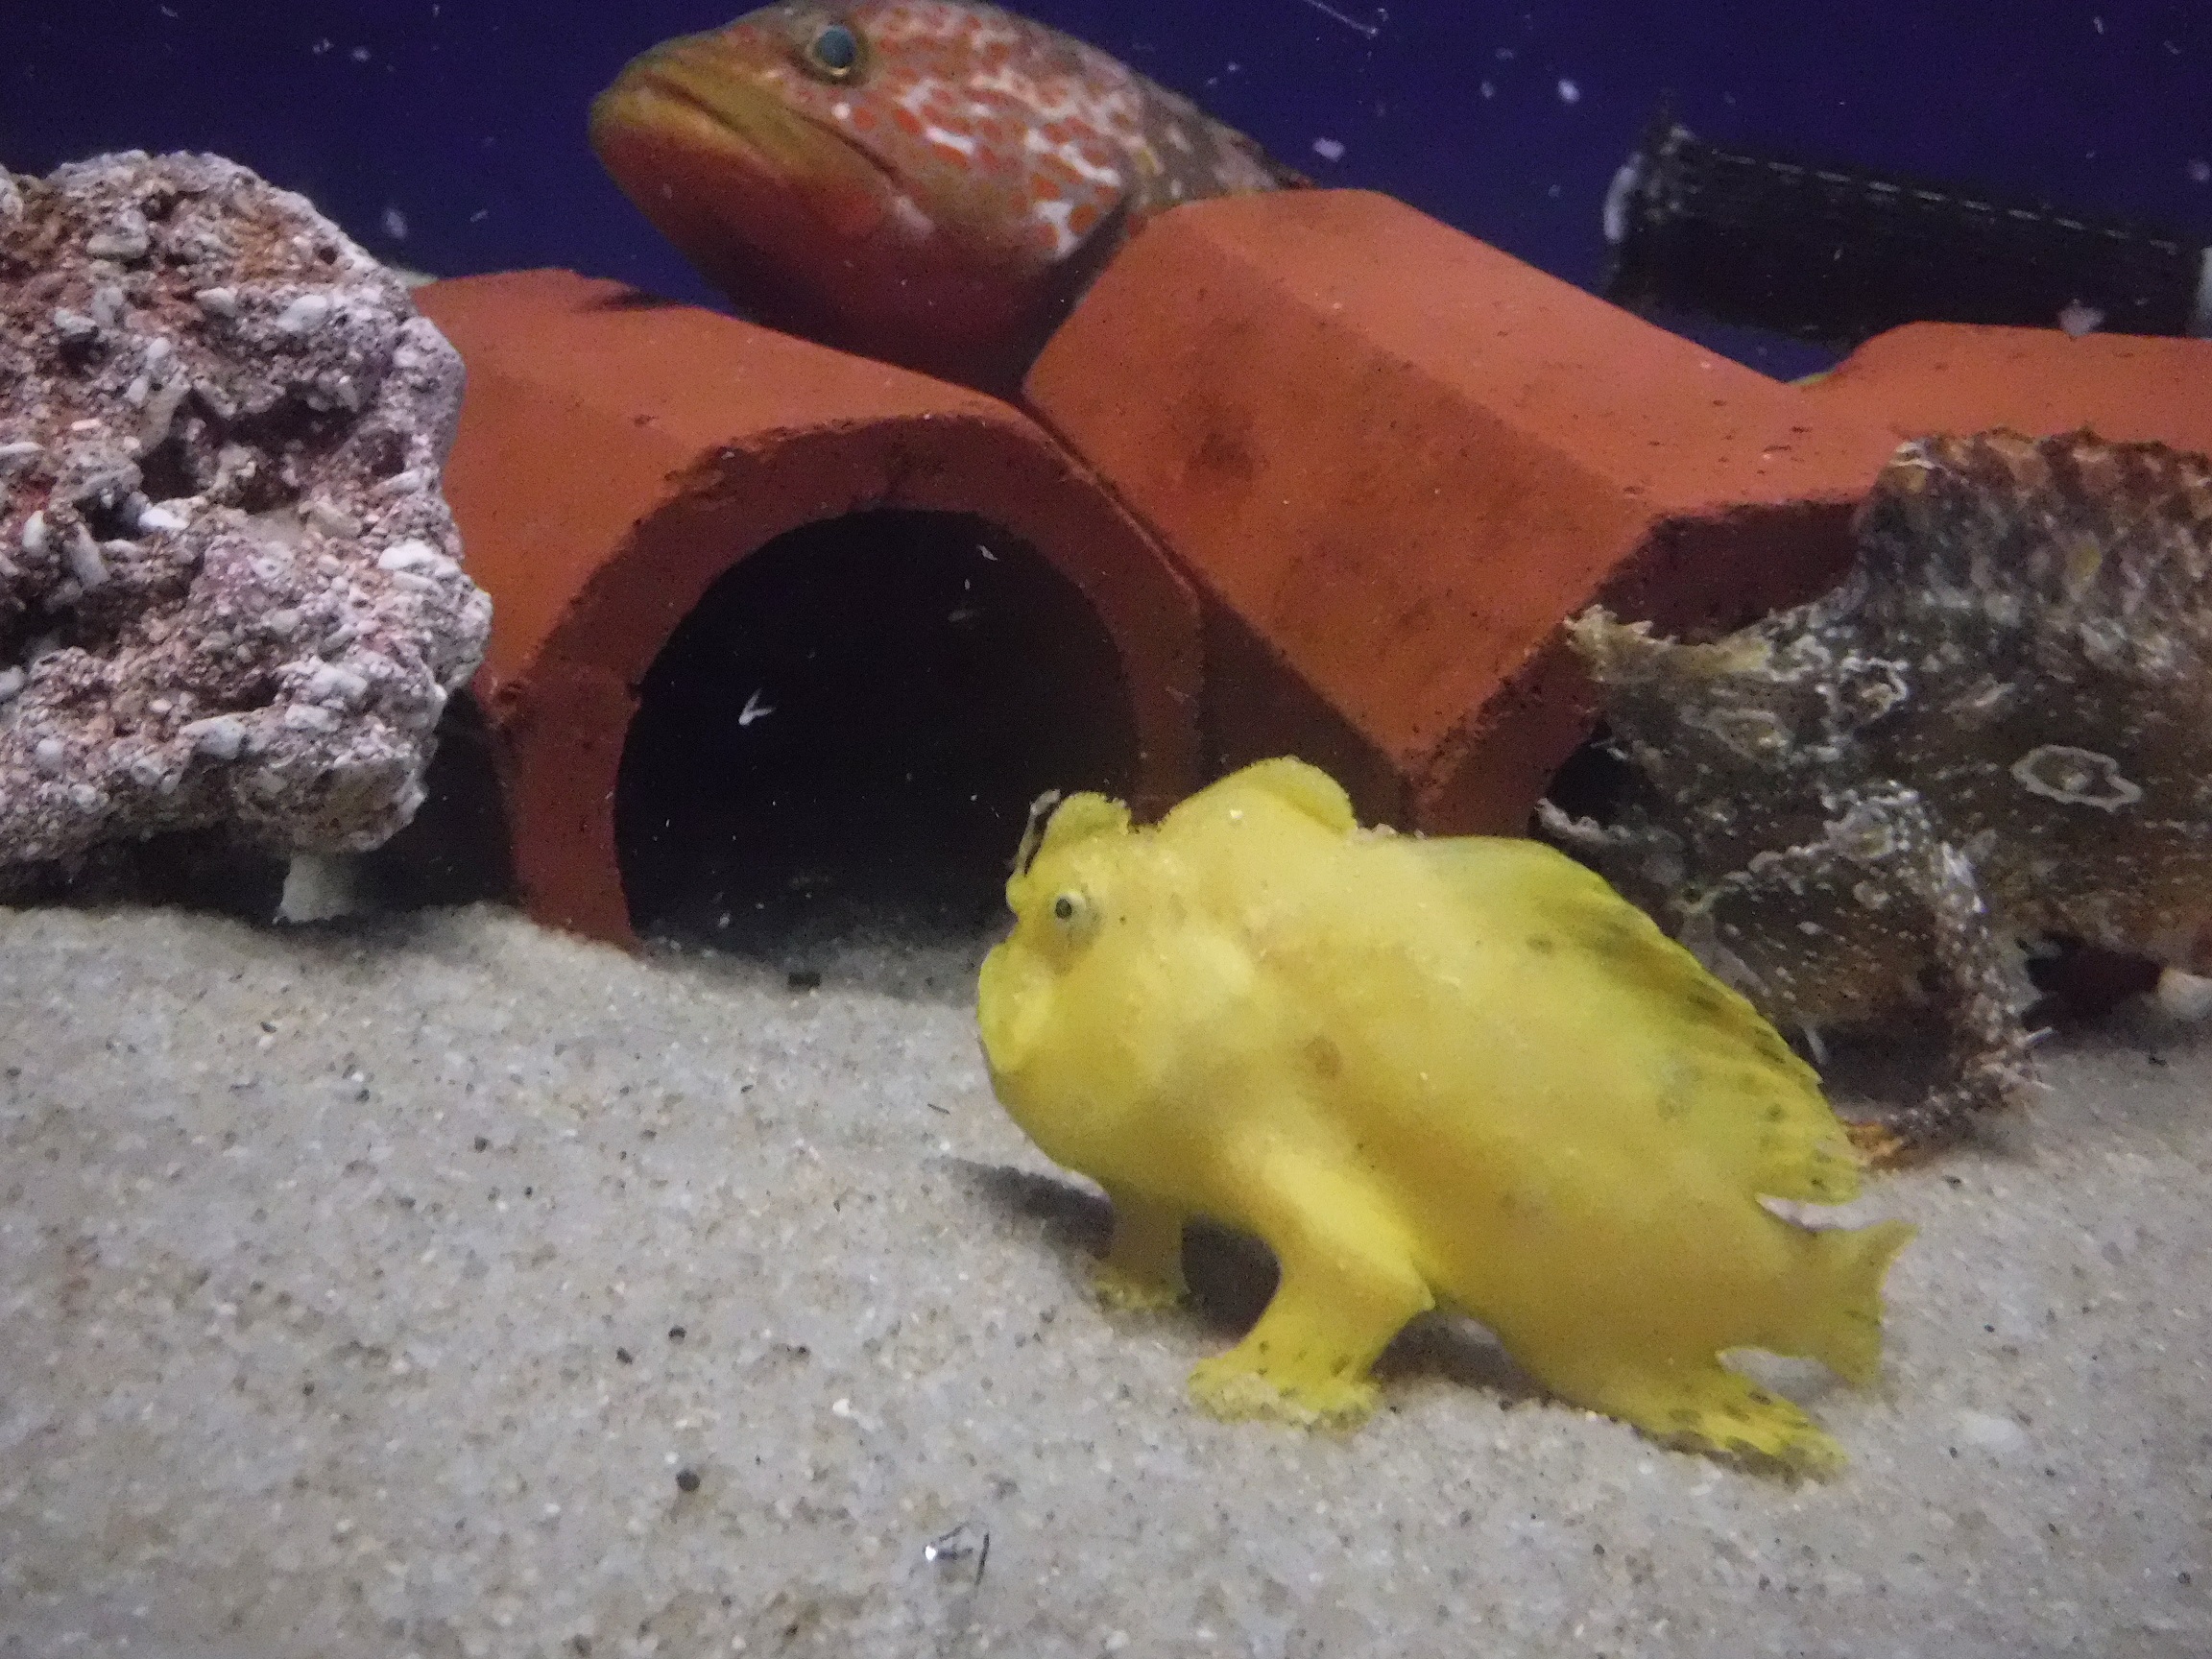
<point>1998,728</point>
<point>229,586</point>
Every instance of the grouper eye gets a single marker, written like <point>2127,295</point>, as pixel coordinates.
<point>834,52</point>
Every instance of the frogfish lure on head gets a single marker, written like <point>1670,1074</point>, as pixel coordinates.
<point>932,182</point>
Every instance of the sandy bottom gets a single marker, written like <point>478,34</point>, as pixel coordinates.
<point>442,1286</point>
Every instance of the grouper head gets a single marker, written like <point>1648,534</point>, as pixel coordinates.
<point>932,182</point>
<point>821,167</point>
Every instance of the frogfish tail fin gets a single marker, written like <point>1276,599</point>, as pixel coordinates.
<point>1845,1333</point>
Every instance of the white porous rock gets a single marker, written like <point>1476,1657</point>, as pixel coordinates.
<point>231,589</point>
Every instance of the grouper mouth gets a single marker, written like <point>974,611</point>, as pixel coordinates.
<point>678,96</point>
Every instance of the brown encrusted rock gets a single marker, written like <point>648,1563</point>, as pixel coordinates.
<point>1997,730</point>
<point>229,584</point>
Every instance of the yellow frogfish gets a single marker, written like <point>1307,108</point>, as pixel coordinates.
<point>932,182</point>
<point>1456,1071</point>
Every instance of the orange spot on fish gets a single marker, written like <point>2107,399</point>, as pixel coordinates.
<point>1085,218</point>
<point>906,121</point>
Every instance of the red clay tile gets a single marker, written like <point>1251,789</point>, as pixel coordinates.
<point>1952,378</point>
<point>1395,459</point>
<point>616,456</point>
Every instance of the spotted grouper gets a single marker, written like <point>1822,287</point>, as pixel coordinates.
<point>932,182</point>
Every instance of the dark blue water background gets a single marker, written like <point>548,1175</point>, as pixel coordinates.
<point>447,134</point>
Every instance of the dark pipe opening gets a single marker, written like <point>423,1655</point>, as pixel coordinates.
<point>1593,781</point>
<point>843,738</point>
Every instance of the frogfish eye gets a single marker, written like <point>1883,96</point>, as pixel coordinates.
<point>1074,916</point>
<point>834,52</point>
